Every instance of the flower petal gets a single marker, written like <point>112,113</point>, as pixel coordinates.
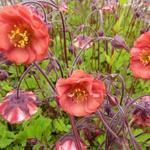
<point>18,55</point>
<point>140,70</point>
<point>4,37</point>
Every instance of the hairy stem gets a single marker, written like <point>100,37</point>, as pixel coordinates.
<point>75,132</point>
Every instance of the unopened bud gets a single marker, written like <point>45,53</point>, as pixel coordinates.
<point>3,75</point>
<point>118,42</point>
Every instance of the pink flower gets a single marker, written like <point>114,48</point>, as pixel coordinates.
<point>141,114</point>
<point>69,145</point>
<point>82,42</point>
<point>63,7</point>
<point>140,57</point>
<point>108,8</point>
<point>80,94</point>
<point>16,110</point>
<point>24,36</point>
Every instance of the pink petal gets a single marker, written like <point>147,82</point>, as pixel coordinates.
<point>40,46</point>
<point>32,108</point>
<point>16,116</point>
<point>18,55</point>
<point>4,37</point>
<point>140,70</point>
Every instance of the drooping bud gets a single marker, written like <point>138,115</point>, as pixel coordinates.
<point>3,75</point>
<point>118,42</point>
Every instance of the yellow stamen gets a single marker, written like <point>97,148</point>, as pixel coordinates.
<point>145,58</point>
<point>79,95</point>
<point>19,37</point>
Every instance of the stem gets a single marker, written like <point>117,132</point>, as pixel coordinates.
<point>22,77</point>
<point>46,77</point>
<point>78,56</point>
<point>75,132</point>
<point>64,36</point>
<point>39,85</point>
<point>106,125</point>
<point>135,144</point>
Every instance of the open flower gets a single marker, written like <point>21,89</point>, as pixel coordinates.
<point>82,42</point>
<point>80,94</point>
<point>24,36</point>
<point>141,114</point>
<point>69,144</point>
<point>140,57</point>
<point>16,110</point>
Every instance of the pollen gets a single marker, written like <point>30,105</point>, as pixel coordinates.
<point>145,57</point>
<point>80,95</point>
<point>19,37</point>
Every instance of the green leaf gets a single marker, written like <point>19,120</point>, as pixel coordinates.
<point>117,26</point>
<point>60,125</point>
<point>6,137</point>
<point>123,2</point>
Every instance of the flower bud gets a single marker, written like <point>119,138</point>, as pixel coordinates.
<point>3,75</point>
<point>118,42</point>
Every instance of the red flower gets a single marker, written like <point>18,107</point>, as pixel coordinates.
<point>82,42</point>
<point>141,114</point>
<point>140,57</point>
<point>69,145</point>
<point>16,110</point>
<point>24,37</point>
<point>80,94</point>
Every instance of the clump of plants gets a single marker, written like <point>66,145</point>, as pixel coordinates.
<point>74,75</point>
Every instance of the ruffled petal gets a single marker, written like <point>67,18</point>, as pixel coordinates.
<point>40,46</point>
<point>92,104</point>
<point>140,70</point>
<point>143,42</point>
<point>18,55</point>
<point>80,74</point>
<point>32,56</point>
<point>4,37</point>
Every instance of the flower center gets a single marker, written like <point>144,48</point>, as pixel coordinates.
<point>145,57</point>
<point>19,36</point>
<point>80,95</point>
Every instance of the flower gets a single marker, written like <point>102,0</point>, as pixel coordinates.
<point>108,8</point>
<point>140,57</point>
<point>16,110</point>
<point>24,36</point>
<point>80,94</point>
<point>69,144</point>
<point>82,42</point>
<point>63,7</point>
<point>141,114</point>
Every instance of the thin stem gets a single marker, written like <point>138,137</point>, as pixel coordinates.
<point>106,125</point>
<point>135,144</point>
<point>39,85</point>
<point>46,77</point>
<point>56,60</point>
<point>78,56</point>
<point>64,36</point>
<point>22,77</point>
<point>75,132</point>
